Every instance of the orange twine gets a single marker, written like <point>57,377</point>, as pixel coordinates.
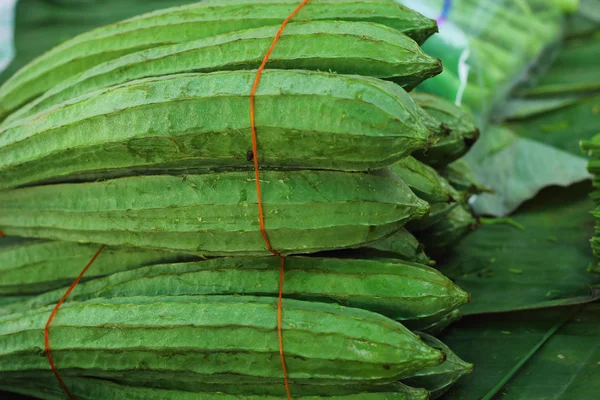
<point>53,314</point>
<point>261,218</point>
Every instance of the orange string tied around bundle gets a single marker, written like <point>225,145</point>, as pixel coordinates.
<point>261,218</point>
<point>53,314</point>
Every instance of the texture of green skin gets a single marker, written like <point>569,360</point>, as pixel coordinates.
<point>432,325</point>
<point>94,389</point>
<point>463,132</point>
<point>304,119</point>
<point>439,379</point>
<point>216,214</point>
<point>438,212</point>
<point>353,48</point>
<point>113,337</point>
<point>399,290</point>
<point>425,181</point>
<point>35,266</point>
<point>10,300</point>
<point>448,231</point>
<point>441,325</point>
<point>400,245</point>
<point>190,22</point>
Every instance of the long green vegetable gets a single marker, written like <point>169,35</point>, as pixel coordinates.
<point>399,290</point>
<point>200,121</point>
<point>112,338</point>
<point>194,21</point>
<point>35,266</point>
<point>94,389</point>
<point>338,46</point>
<point>216,214</point>
<point>439,379</point>
<point>425,181</point>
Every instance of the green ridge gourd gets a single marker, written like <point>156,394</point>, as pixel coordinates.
<point>462,129</point>
<point>461,177</point>
<point>32,266</point>
<point>448,231</point>
<point>439,379</point>
<point>400,290</point>
<point>355,48</point>
<point>94,389</point>
<point>425,181</point>
<point>216,214</point>
<point>437,213</point>
<point>190,22</point>
<point>113,337</point>
<point>439,326</point>
<point>400,245</point>
<point>201,121</point>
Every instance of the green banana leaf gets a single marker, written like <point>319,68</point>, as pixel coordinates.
<point>575,69</point>
<point>550,115</point>
<point>587,17</point>
<point>517,168</point>
<point>538,258</point>
<point>564,127</point>
<point>518,109</point>
<point>532,355</point>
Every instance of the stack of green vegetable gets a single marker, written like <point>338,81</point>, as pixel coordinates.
<point>137,135</point>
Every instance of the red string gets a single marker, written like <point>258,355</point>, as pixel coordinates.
<point>261,218</point>
<point>53,314</point>
<point>2,234</point>
<point>279,330</point>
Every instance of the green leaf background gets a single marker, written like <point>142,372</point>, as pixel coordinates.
<point>537,258</point>
<point>566,366</point>
<point>533,328</point>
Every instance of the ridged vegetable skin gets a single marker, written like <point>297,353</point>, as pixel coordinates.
<point>93,389</point>
<point>463,132</point>
<point>201,121</point>
<point>425,181</point>
<point>399,290</point>
<point>112,338</point>
<point>216,214</point>
<point>185,23</point>
<point>35,266</point>
<point>353,48</point>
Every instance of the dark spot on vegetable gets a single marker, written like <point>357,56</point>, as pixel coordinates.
<point>470,141</point>
<point>372,228</point>
<point>250,155</point>
<point>386,366</point>
<point>446,129</point>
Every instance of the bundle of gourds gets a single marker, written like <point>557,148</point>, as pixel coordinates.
<point>137,136</point>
